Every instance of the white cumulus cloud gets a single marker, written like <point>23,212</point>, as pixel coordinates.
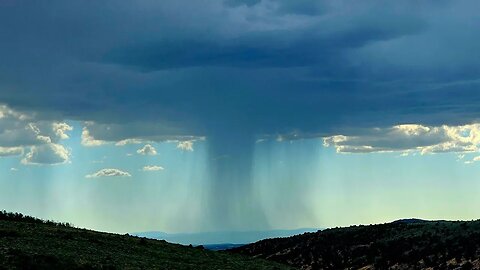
<point>38,140</point>
<point>148,149</point>
<point>61,129</point>
<point>47,154</point>
<point>109,173</point>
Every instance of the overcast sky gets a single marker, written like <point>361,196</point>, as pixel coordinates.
<point>224,91</point>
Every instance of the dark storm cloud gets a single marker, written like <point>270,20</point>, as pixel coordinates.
<point>272,48</point>
<point>303,7</point>
<point>264,67</point>
<point>235,3</point>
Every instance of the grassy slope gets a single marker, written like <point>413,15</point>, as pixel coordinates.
<point>36,245</point>
<point>423,245</point>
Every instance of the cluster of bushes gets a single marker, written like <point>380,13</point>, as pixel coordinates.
<point>424,244</point>
<point>8,216</point>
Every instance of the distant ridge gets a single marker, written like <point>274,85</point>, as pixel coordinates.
<point>410,221</point>
<point>222,246</point>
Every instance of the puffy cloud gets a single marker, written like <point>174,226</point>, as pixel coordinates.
<point>109,173</point>
<point>147,149</point>
<point>50,153</point>
<point>185,145</point>
<point>407,138</point>
<point>60,130</point>
<point>152,168</point>
<point>10,151</point>
<point>20,131</point>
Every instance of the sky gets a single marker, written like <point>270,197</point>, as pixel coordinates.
<point>191,116</point>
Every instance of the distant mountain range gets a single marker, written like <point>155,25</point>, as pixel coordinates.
<point>223,238</point>
<point>402,244</point>
<point>217,247</point>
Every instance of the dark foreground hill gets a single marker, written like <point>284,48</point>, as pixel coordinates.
<point>29,243</point>
<point>406,244</point>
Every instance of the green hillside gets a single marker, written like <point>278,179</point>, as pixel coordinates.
<point>29,243</point>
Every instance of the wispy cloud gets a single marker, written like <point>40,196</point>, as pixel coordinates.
<point>11,151</point>
<point>152,168</point>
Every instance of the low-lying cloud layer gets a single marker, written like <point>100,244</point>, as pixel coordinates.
<point>11,151</point>
<point>410,138</point>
